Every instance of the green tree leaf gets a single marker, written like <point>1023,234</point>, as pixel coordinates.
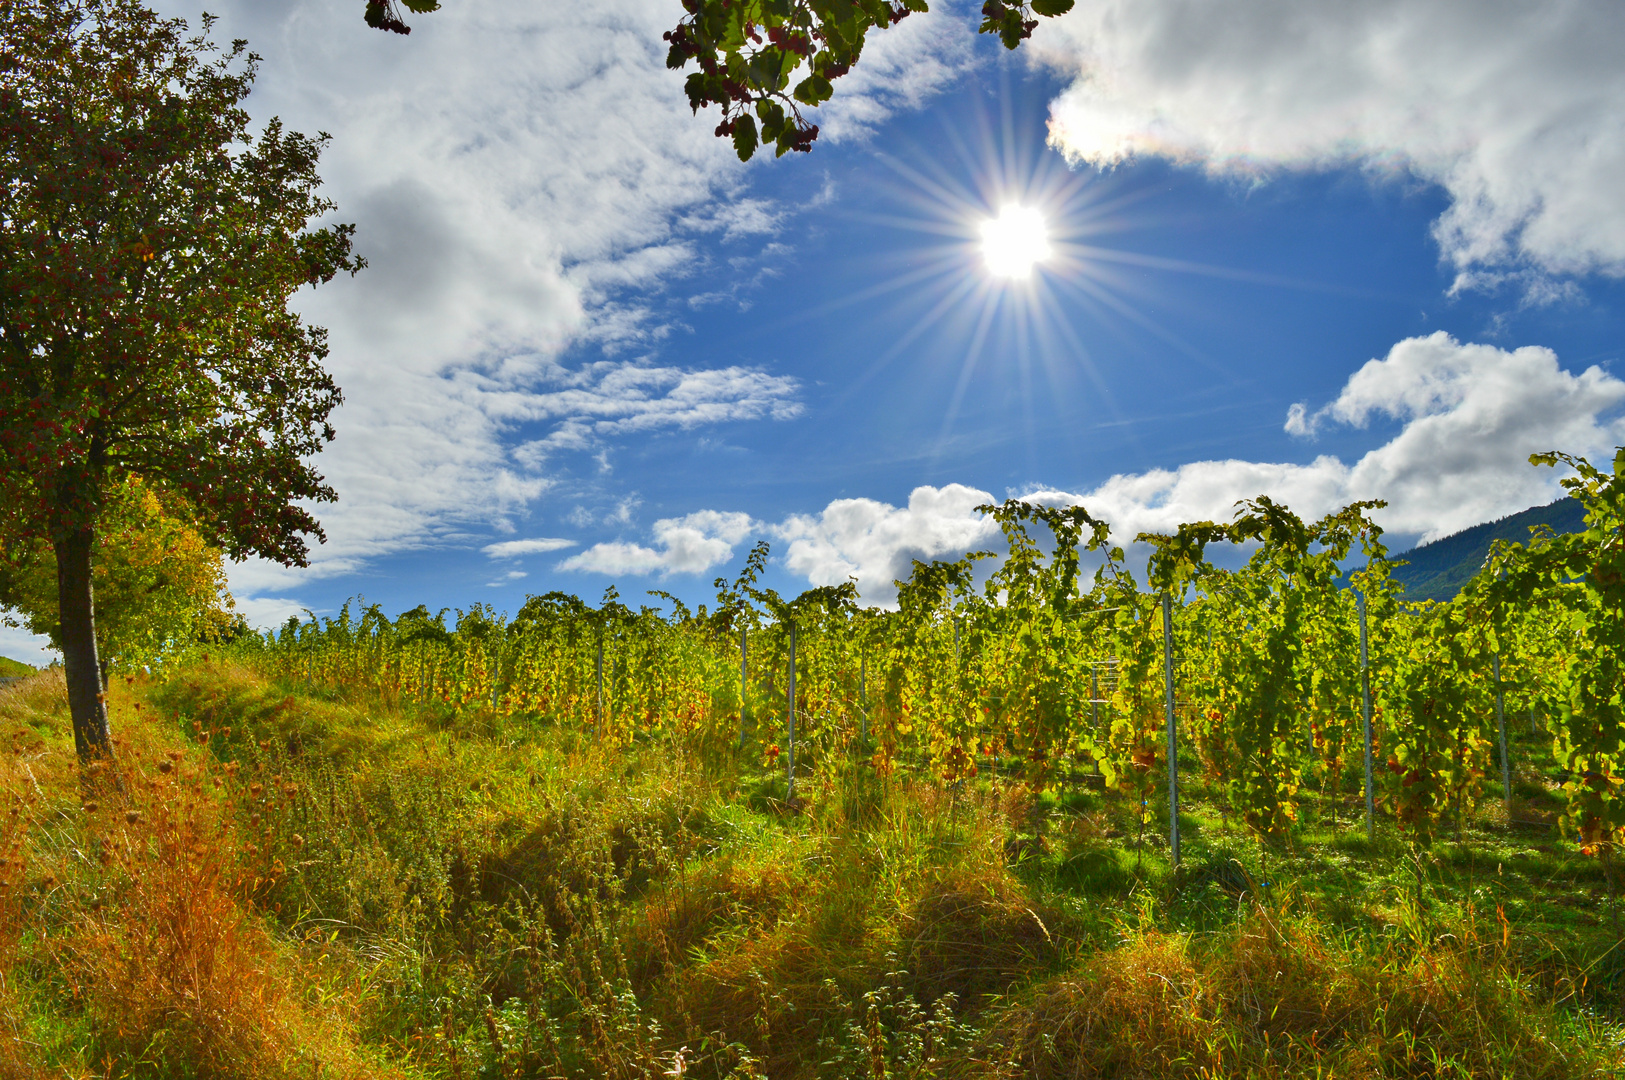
<point>744,132</point>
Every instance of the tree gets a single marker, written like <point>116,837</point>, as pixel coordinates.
<point>149,245</point>
<point>158,582</point>
<point>750,52</point>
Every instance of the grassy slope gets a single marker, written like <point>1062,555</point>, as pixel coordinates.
<point>1438,570</point>
<point>10,668</point>
<point>300,881</point>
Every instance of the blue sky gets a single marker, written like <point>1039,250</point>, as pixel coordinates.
<point>1297,250</point>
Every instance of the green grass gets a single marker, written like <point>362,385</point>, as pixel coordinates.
<point>387,891</point>
<point>13,669</point>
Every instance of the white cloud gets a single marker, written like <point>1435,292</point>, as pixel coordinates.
<point>613,398</point>
<point>865,539</point>
<point>511,549</point>
<point>1515,107</point>
<point>32,649</point>
<point>736,220</point>
<point>271,611</point>
<point>1470,416</point>
<point>1436,375</point>
<point>519,174</point>
<point>619,557</point>
<point>876,542</point>
<point>686,545</point>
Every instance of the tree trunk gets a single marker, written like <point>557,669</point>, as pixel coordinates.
<point>87,703</point>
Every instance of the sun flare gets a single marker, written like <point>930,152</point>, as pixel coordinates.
<point>1015,241</point>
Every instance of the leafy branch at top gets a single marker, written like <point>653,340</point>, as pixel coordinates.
<point>763,61</point>
<point>752,54</point>
<point>384,15</point>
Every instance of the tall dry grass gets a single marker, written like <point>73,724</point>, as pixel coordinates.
<point>1286,996</point>
<point>128,918</point>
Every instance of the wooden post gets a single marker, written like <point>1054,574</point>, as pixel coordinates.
<point>1501,726</point>
<point>1173,730</point>
<point>1365,709</point>
<point>790,712</point>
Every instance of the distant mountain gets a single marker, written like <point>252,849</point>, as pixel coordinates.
<point>1438,570</point>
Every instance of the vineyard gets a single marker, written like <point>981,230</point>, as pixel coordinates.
<point>1279,679</point>
<point>1248,813</point>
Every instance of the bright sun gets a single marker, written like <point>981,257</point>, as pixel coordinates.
<point>1015,241</point>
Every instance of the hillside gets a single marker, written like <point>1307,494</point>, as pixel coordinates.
<point>305,879</point>
<point>1439,569</point>
<point>10,668</point>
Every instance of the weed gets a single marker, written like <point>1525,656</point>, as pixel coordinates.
<point>292,882</point>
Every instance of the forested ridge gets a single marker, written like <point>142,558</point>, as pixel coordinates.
<point>1440,568</point>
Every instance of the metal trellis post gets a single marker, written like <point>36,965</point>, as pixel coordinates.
<point>790,713</point>
<point>1094,709</point>
<point>1365,709</point>
<point>863,698</point>
<point>598,728</point>
<point>1501,725</point>
<point>744,679</point>
<point>1173,731</point>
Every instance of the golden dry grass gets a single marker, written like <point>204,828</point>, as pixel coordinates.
<point>129,907</point>
<point>1285,997</point>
